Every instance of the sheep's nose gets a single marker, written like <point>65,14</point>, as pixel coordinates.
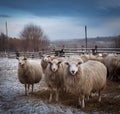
<point>19,63</point>
<point>22,65</point>
<point>73,71</point>
<point>45,60</point>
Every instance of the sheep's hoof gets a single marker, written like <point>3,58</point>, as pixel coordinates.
<point>31,93</point>
<point>78,106</point>
<point>26,94</point>
<point>99,100</point>
<point>56,101</point>
<point>49,101</point>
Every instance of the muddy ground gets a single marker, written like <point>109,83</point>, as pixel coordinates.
<point>13,100</point>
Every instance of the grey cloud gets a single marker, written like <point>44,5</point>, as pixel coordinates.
<point>4,16</point>
<point>109,3</point>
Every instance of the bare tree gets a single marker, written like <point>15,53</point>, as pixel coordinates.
<point>3,42</point>
<point>33,37</point>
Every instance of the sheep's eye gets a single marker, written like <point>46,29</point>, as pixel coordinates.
<point>21,64</point>
<point>79,63</point>
<point>67,63</point>
<point>59,62</point>
<point>50,63</point>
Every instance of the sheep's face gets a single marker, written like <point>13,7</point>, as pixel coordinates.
<point>54,66</point>
<point>22,62</point>
<point>46,58</point>
<point>73,68</point>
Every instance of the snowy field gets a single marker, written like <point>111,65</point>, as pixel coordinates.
<point>12,99</point>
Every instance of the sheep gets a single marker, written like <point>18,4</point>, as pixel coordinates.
<point>85,78</point>
<point>44,61</point>
<point>54,77</point>
<point>87,57</point>
<point>112,62</point>
<point>29,72</point>
<point>100,57</point>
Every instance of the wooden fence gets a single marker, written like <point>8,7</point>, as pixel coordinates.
<point>67,51</point>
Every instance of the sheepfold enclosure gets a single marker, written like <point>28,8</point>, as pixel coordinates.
<point>12,99</point>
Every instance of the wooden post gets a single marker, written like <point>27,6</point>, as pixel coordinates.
<point>6,29</point>
<point>7,43</point>
<point>86,37</point>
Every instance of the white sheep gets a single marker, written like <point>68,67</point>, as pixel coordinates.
<point>44,61</point>
<point>29,72</point>
<point>87,57</point>
<point>54,77</point>
<point>112,62</point>
<point>85,78</point>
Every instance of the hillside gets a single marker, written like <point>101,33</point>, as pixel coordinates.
<point>101,42</point>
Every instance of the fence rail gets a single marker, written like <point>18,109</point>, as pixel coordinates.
<point>67,51</point>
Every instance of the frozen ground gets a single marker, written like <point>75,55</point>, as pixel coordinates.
<point>13,101</point>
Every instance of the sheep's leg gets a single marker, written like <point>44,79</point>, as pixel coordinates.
<point>110,77</point>
<point>83,101</point>
<point>32,88</point>
<point>87,97</point>
<point>57,95</point>
<point>50,98</point>
<point>79,101</point>
<point>25,89</point>
<point>99,96</point>
<point>28,88</point>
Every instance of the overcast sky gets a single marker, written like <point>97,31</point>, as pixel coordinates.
<point>62,19</point>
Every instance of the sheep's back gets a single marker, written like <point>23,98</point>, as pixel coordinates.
<point>36,72</point>
<point>91,76</point>
<point>32,74</point>
<point>95,73</point>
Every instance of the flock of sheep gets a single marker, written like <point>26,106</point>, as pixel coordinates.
<point>82,75</point>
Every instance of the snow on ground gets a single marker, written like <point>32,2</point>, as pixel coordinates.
<point>12,99</point>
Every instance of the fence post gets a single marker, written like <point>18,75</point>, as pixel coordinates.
<point>86,37</point>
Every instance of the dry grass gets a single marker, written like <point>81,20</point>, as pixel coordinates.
<point>109,103</point>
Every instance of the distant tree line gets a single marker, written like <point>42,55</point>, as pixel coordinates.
<point>31,38</point>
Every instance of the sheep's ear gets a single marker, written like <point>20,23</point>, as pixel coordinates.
<point>42,55</point>
<point>17,58</point>
<point>25,58</point>
<point>49,62</point>
<point>79,63</point>
<point>59,62</point>
<point>48,56</point>
<point>52,58</point>
<point>66,63</point>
